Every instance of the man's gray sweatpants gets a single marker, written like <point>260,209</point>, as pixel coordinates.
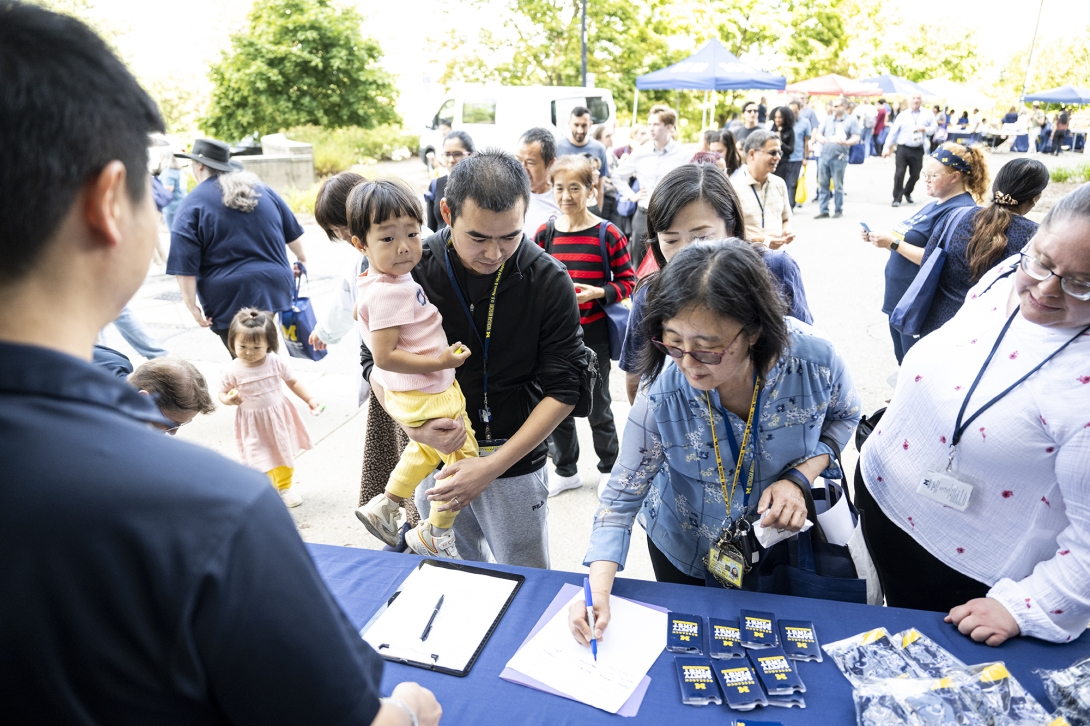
<point>507,523</point>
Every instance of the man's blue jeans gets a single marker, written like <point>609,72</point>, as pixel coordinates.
<point>831,168</point>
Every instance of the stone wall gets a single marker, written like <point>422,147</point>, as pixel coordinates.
<point>285,164</point>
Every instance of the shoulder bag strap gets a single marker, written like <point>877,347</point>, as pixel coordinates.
<point>603,228</point>
<point>550,233</point>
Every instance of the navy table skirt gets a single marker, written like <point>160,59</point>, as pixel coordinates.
<point>362,580</point>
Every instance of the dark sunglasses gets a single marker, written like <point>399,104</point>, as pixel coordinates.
<point>707,357</point>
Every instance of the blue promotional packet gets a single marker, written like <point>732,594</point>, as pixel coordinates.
<point>759,629</point>
<point>747,722</point>
<point>684,634</point>
<point>799,640</point>
<point>795,699</point>
<point>740,686</point>
<point>697,681</point>
<point>726,639</point>
<point>776,673</point>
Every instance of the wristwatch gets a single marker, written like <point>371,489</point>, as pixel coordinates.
<point>894,245</point>
<point>399,704</point>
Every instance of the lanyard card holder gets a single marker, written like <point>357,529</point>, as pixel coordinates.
<point>759,629</point>
<point>726,639</point>
<point>740,687</point>
<point>799,640</point>
<point>697,681</point>
<point>776,673</point>
<point>685,634</point>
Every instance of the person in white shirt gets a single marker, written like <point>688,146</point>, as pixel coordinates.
<point>765,205</point>
<point>909,134</point>
<point>537,152</point>
<point>976,479</point>
<point>649,163</point>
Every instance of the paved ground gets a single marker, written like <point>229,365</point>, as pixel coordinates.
<point>844,283</point>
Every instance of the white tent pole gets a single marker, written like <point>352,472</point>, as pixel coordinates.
<point>635,105</point>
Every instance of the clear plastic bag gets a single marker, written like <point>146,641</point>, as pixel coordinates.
<point>1069,690</point>
<point>930,658</point>
<point>869,656</point>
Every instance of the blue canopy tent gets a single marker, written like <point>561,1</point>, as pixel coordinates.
<point>897,86</point>
<point>712,68</point>
<point>1063,94</point>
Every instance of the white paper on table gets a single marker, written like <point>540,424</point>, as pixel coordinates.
<point>471,603</point>
<point>634,640</point>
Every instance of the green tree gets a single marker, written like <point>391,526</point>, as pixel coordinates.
<point>540,45</point>
<point>1055,63</point>
<point>927,51</point>
<point>299,62</point>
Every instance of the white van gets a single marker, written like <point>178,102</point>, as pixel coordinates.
<point>496,116</point>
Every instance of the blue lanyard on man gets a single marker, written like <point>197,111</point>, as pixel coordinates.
<point>486,412</point>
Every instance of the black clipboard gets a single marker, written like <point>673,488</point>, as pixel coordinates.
<point>450,565</point>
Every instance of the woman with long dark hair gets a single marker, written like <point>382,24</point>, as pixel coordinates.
<point>727,147</point>
<point>985,236</point>
<point>783,125</point>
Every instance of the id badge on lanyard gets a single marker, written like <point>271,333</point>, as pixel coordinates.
<point>733,553</point>
<point>488,445</point>
<point>947,487</point>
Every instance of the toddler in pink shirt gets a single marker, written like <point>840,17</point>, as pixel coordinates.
<point>413,363</point>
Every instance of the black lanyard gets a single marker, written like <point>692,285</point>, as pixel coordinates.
<point>486,412</point>
<point>959,427</point>
<point>759,203</point>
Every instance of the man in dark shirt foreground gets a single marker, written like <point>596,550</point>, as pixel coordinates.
<point>142,580</point>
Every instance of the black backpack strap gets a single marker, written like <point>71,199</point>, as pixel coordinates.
<point>607,266</point>
<point>550,233</point>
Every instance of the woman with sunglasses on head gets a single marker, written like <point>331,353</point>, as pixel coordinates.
<point>728,425</point>
<point>457,146</point>
<point>976,479</point>
<point>956,176</point>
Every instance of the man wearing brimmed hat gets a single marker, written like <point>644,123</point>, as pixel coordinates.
<point>144,580</point>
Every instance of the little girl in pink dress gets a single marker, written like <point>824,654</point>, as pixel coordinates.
<point>268,428</point>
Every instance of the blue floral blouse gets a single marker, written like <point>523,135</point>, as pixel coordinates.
<point>667,472</point>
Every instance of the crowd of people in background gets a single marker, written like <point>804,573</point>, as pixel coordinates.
<point>489,312</point>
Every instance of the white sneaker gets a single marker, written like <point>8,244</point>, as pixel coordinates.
<point>603,480</point>
<point>559,483</point>
<point>422,540</point>
<point>290,497</point>
<point>382,517</point>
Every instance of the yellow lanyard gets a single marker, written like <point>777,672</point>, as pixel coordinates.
<point>741,450</point>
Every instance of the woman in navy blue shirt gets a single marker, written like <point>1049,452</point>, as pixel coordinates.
<point>227,243</point>
<point>957,176</point>
<point>985,237</point>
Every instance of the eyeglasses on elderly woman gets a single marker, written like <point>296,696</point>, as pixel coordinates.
<point>1078,289</point>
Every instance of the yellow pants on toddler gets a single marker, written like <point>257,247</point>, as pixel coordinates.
<point>280,477</point>
<point>413,409</point>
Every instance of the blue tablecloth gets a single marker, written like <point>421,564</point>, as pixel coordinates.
<point>362,580</point>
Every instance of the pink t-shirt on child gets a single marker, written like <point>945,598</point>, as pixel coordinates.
<point>387,301</point>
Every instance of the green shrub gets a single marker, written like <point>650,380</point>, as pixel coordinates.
<point>336,150</point>
<point>1074,174</point>
<point>301,201</point>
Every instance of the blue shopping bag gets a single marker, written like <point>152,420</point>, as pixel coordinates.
<point>617,313</point>
<point>299,322</point>
<point>911,312</point>
<point>857,154</point>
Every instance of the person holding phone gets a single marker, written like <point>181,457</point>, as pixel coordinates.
<point>957,176</point>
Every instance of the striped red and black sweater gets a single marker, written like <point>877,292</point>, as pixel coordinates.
<point>581,253</point>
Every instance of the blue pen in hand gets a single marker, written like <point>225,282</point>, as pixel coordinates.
<point>590,616</point>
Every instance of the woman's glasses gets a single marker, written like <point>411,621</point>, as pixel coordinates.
<point>1078,289</point>
<point>455,154</point>
<point>707,357</point>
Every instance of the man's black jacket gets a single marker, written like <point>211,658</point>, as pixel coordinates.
<point>536,348</point>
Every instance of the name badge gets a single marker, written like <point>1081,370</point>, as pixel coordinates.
<point>490,446</point>
<point>726,565</point>
<point>945,489</point>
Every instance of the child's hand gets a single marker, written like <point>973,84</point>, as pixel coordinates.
<point>454,356</point>
<point>316,407</point>
<point>232,397</point>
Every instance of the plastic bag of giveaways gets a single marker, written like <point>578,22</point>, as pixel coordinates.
<point>869,656</point>
<point>1069,690</point>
